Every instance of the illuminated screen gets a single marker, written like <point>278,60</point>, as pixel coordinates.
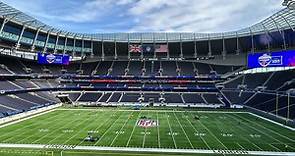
<point>273,59</point>
<point>53,59</point>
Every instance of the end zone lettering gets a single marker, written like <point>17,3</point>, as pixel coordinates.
<point>55,146</point>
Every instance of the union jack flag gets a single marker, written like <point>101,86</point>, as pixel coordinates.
<point>135,48</point>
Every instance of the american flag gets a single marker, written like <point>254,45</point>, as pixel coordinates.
<point>135,48</point>
<point>163,48</point>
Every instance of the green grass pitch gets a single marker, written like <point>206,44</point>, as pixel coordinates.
<point>176,129</point>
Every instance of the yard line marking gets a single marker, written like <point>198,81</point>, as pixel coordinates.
<point>262,131</point>
<point>25,131</point>
<point>204,141</point>
<point>192,146</point>
<point>143,140</point>
<point>159,145</point>
<point>127,144</point>
<point>272,131</point>
<point>245,138</point>
<point>52,132</point>
<point>121,129</point>
<point>171,131</point>
<point>211,133</point>
<point>29,125</point>
<point>108,130</point>
<point>274,147</point>
<point>98,127</point>
<point>77,133</point>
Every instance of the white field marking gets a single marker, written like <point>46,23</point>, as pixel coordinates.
<point>274,147</point>
<point>171,131</point>
<point>30,116</point>
<point>144,136</point>
<point>156,150</point>
<point>270,130</point>
<point>107,130</point>
<point>77,133</point>
<point>159,145</point>
<point>262,131</point>
<point>56,130</point>
<point>102,123</point>
<point>192,146</point>
<point>277,123</point>
<point>240,146</point>
<point>23,129</point>
<point>126,110</point>
<point>127,144</point>
<point>211,133</point>
<point>121,129</point>
<point>245,138</point>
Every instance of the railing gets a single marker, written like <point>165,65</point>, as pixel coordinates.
<point>25,40</point>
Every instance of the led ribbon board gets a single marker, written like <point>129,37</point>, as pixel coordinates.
<point>274,59</point>
<point>53,59</point>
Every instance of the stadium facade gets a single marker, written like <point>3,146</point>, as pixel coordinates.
<point>41,66</point>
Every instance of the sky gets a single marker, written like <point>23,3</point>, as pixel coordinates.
<point>105,16</point>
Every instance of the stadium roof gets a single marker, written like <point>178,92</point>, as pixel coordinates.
<point>284,19</point>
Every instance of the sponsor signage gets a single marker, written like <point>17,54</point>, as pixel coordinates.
<point>44,58</point>
<point>273,59</point>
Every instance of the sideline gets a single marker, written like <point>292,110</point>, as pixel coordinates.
<point>4,122</point>
<point>157,150</point>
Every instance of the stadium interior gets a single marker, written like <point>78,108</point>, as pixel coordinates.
<point>189,70</point>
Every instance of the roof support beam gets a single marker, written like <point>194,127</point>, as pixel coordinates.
<point>46,42</point>
<point>91,55</point>
<point>65,44</point>
<point>82,47</point>
<point>56,42</point>
<point>223,47</point>
<point>181,49</point>
<point>209,46</point>
<point>128,43</point>
<point>238,50</point>
<point>17,45</point>
<point>74,48</point>
<point>252,41</point>
<point>288,23</point>
<point>167,42</point>
<point>102,46</point>
<point>35,38</point>
<point>267,35</point>
<point>115,49</point>
<point>195,46</point>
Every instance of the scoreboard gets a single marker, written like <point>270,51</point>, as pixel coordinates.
<point>59,59</point>
<point>272,59</point>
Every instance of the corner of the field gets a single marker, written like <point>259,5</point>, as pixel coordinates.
<point>27,115</point>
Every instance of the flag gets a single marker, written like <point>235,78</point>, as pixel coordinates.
<point>162,48</point>
<point>135,48</point>
<point>148,48</point>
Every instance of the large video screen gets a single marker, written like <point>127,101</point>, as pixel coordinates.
<point>59,59</point>
<point>273,59</point>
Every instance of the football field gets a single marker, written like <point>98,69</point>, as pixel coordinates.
<point>157,130</point>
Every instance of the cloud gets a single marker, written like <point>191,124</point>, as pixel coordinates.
<point>148,15</point>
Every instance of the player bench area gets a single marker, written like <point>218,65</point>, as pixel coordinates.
<point>150,130</point>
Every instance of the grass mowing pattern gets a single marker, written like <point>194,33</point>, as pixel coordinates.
<point>177,129</point>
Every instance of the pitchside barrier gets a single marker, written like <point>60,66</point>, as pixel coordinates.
<point>32,113</point>
<point>273,117</point>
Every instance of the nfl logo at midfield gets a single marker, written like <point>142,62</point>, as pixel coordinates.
<point>145,123</point>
